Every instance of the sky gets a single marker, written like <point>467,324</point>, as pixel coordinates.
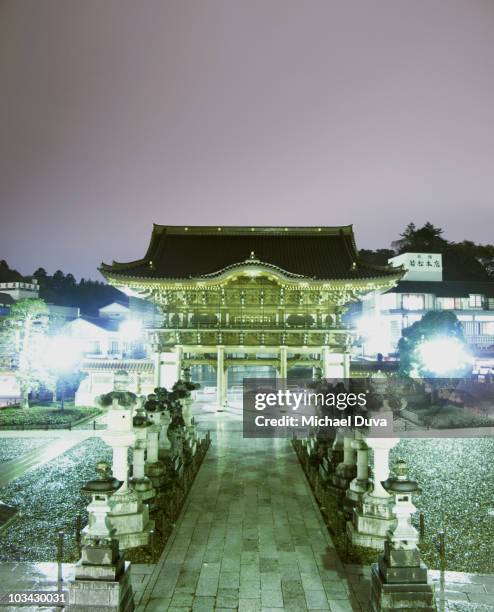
<point>115,114</point>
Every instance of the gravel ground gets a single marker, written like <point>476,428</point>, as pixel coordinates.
<point>50,499</point>
<point>457,481</point>
<point>456,477</point>
<point>12,448</point>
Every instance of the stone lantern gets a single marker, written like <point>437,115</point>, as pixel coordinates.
<point>102,576</point>
<point>372,516</point>
<point>359,485</point>
<point>128,515</point>
<point>139,481</point>
<point>347,469</point>
<point>399,579</point>
<point>99,507</point>
<point>154,468</point>
<point>188,401</point>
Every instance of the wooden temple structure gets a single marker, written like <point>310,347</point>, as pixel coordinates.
<point>250,295</point>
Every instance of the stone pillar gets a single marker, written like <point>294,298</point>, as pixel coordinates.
<point>138,460</point>
<point>399,579</point>
<point>380,470</point>
<point>157,368</point>
<point>283,362</point>
<point>346,365</point>
<point>347,469</point>
<point>187,411</point>
<point>171,367</point>
<point>372,517</point>
<point>120,437</point>
<point>128,517</point>
<point>154,468</point>
<point>163,442</point>
<point>152,444</point>
<point>221,391</point>
<point>139,481</point>
<point>360,483</point>
<point>333,364</point>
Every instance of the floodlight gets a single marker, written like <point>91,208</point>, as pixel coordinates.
<point>443,355</point>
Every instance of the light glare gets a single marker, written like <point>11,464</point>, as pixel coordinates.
<point>443,355</point>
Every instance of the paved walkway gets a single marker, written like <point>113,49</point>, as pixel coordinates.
<point>250,536</point>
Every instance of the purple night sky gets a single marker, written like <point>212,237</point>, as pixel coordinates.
<point>116,114</point>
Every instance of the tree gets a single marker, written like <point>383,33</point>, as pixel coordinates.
<point>378,257</point>
<point>64,290</point>
<point>40,273</point>
<point>427,239</point>
<point>440,329</point>
<point>24,329</point>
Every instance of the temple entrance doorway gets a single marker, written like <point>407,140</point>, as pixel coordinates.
<point>236,375</point>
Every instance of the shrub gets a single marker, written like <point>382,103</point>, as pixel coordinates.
<point>41,416</point>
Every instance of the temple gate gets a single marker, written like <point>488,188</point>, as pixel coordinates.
<point>250,296</point>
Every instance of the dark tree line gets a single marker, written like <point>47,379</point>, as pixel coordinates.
<point>63,290</point>
<point>464,260</point>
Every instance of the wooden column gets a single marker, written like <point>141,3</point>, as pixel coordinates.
<point>283,362</point>
<point>220,375</point>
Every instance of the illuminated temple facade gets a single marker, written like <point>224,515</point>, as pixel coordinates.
<point>249,295</point>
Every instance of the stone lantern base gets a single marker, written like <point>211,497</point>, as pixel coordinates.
<point>144,488</point>
<point>156,472</point>
<point>129,517</point>
<point>102,580</point>
<point>399,581</point>
<point>371,521</point>
<point>343,476</point>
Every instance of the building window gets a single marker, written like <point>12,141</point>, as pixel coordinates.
<point>413,301</point>
<point>449,303</point>
<point>475,301</point>
<point>489,328</point>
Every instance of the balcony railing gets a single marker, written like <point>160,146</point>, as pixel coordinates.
<point>257,326</point>
<point>482,341</point>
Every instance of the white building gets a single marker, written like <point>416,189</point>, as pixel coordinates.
<point>116,311</point>
<point>423,289</point>
<point>109,344</point>
<point>16,286</point>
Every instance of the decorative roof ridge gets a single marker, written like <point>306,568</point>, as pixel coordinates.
<point>234,230</point>
<point>250,261</point>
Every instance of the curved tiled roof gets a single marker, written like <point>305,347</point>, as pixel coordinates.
<point>192,252</point>
<point>11,276</point>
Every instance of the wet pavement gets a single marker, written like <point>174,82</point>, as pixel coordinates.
<point>15,577</point>
<point>250,536</point>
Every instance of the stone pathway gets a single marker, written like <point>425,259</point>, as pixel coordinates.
<point>250,536</point>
